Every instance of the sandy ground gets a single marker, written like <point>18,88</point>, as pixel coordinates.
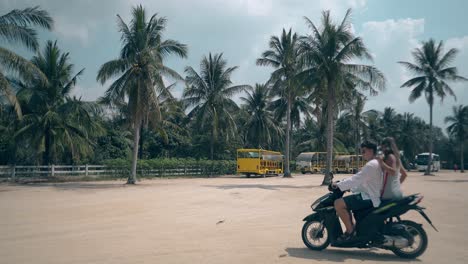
<point>219,220</point>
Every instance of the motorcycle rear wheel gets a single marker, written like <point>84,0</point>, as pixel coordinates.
<point>420,241</point>
<point>315,235</point>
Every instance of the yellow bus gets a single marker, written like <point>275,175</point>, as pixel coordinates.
<point>259,162</point>
<point>360,163</point>
<point>313,162</point>
<point>347,163</point>
<point>342,164</point>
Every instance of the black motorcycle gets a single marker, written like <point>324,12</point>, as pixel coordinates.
<point>379,227</point>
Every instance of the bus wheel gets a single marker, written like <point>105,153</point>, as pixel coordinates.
<point>248,175</point>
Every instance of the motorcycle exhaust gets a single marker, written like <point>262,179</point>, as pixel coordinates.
<point>395,241</point>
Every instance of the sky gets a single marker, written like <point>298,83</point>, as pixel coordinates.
<point>241,29</point>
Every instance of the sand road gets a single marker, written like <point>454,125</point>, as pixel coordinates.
<point>217,220</point>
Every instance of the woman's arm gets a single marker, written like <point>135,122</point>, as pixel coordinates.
<point>390,168</point>
<point>403,174</point>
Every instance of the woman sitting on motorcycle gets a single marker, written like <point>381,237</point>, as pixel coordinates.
<point>394,173</point>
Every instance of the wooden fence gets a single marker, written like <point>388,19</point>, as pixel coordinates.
<point>97,170</point>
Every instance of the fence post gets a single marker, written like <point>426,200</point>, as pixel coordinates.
<point>13,171</point>
<point>53,170</point>
<point>86,170</point>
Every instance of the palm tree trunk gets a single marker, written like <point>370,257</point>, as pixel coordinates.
<point>429,161</point>
<point>327,179</point>
<point>462,166</point>
<point>136,138</point>
<point>140,149</point>
<point>212,144</point>
<point>46,155</point>
<point>287,172</point>
<point>356,142</point>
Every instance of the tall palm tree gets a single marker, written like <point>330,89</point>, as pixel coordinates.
<point>15,29</point>
<point>261,126</point>
<point>284,55</point>
<point>210,93</point>
<point>54,121</point>
<point>358,117</point>
<point>329,52</point>
<point>140,69</point>
<point>458,128</point>
<point>433,71</point>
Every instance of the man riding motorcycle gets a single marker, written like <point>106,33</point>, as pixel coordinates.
<point>366,186</point>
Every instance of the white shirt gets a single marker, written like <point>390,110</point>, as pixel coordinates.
<point>368,182</point>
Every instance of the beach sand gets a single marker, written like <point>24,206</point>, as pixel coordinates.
<point>215,220</point>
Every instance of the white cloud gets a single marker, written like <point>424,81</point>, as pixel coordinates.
<point>251,7</point>
<point>394,40</point>
<point>72,31</point>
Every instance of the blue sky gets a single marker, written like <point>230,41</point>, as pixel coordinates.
<point>241,30</point>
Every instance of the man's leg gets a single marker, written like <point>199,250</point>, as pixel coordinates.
<point>345,216</point>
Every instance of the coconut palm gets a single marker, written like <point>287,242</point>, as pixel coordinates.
<point>329,54</point>
<point>261,126</point>
<point>458,128</point>
<point>139,70</point>
<point>15,28</point>
<point>210,94</point>
<point>409,134</point>
<point>433,72</point>
<point>55,122</point>
<point>313,136</point>
<point>389,121</point>
<point>358,118</point>
<point>284,56</point>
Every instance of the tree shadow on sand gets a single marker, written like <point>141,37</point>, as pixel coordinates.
<point>339,255</point>
<point>261,186</point>
<point>454,181</point>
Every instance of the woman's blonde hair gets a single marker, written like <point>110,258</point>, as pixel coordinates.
<point>389,142</point>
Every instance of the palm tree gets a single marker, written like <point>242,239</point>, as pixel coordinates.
<point>140,70</point>
<point>409,135</point>
<point>261,126</point>
<point>389,121</point>
<point>358,117</point>
<point>329,53</point>
<point>54,121</point>
<point>433,71</point>
<point>210,93</point>
<point>458,128</point>
<point>15,28</point>
<point>313,136</point>
<point>284,55</point>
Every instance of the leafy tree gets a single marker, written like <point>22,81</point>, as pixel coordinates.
<point>433,71</point>
<point>140,70</point>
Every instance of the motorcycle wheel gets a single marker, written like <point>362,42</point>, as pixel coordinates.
<point>315,235</point>
<point>420,241</point>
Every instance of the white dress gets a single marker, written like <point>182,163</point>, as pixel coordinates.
<point>392,187</point>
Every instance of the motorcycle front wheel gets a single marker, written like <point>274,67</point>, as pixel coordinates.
<point>315,235</point>
<point>419,244</point>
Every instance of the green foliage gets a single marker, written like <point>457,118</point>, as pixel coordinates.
<point>15,29</point>
<point>167,167</point>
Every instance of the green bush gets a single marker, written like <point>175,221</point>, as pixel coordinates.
<point>173,167</point>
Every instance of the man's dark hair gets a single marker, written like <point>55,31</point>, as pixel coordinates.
<point>370,145</point>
